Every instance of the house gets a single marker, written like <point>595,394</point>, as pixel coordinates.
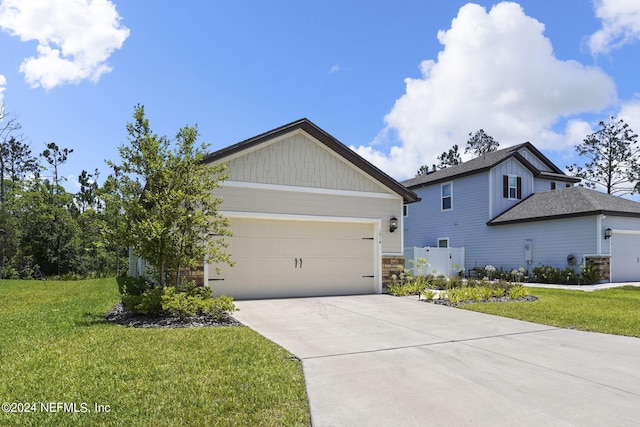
<point>514,208</point>
<point>309,217</point>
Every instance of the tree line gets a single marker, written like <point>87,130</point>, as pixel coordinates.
<point>45,229</point>
<point>157,199</point>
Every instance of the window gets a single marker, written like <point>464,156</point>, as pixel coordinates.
<point>447,197</point>
<point>511,187</point>
<point>443,242</point>
<point>405,210</point>
<point>553,185</point>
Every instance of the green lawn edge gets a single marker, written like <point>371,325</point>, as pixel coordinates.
<point>59,352</point>
<point>611,311</point>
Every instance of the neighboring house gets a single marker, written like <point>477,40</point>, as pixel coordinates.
<point>514,208</point>
<point>308,215</point>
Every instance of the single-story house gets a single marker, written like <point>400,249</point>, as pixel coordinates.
<point>309,217</point>
<point>514,208</point>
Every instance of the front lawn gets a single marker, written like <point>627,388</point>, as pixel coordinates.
<point>58,352</point>
<point>611,311</point>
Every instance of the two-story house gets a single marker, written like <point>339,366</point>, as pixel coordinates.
<point>514,208</point>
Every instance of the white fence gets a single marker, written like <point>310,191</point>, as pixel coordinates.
<point>445,261</point>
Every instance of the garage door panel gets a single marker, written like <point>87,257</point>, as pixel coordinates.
<point>283,258</point>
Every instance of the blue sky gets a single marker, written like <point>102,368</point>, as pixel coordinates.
<point>400,82</point>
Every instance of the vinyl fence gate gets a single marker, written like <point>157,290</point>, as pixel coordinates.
<point>445,261</point>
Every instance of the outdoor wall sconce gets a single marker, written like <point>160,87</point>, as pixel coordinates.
<point>608,233</point>
<point>393,224</point>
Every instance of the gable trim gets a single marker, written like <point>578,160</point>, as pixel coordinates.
<point>327,140</point>
<point>316,190</point>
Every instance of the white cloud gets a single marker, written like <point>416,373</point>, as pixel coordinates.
<point>3,83</point>
<point>497,71</point>
<point>630,113</point>
<point>620,24</point>
<point>334,69</point>
<point>75,38</point>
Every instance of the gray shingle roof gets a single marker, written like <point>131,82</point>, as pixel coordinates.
<point>486,162</point>
<point>567,202</point>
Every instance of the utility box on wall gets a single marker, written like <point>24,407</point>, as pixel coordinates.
<point>528,252</point>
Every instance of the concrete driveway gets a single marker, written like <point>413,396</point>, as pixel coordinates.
<point>377,360</point>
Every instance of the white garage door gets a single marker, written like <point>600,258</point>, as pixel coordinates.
<point>625,257</point>
<point>286,258</point>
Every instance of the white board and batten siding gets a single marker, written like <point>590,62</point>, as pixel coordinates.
<point>305,222</point>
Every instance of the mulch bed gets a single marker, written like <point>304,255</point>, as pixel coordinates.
<point>120,315</point>
<point>528,298</point>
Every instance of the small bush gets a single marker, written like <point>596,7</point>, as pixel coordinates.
<point>567,276</point>
<point>518,292</point>
<point>133,285</point>
<point>485,292</point>
<point>150,302</point>
<point>428,295</point>
<point>186,300</point>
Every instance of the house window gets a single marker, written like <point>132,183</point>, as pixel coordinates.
<point>443,242</point>
<point>512,187</point>
<point>447,197</point>
<point>553,185</point>
<point>405,210</point>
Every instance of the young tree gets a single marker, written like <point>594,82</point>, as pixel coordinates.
<point>611,159</point>
<point>480,143</point>
<point>169,206</point>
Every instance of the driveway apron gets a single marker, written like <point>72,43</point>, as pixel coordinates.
<point>378,360</point>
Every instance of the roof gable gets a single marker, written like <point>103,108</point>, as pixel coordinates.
<point>564,203</point>
<point>488,161</point>
<point>303,134</point>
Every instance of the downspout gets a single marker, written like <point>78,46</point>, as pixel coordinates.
<point>599,234</point>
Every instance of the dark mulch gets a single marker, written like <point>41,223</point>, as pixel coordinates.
<point>120,315</point>
<point>528,298</point>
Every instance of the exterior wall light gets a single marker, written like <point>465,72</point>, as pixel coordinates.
<point>608,233</point>
<point>393,224</point>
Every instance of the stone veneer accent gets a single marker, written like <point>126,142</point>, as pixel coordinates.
<point>391,265</point>
<point>196,274</point>
<point>604,266</point>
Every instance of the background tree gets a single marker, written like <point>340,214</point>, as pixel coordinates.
<point>449,158</point>
<point>480,143</point>
<point>423,170</point>
<point>167,198</point>
<point>611,159</point>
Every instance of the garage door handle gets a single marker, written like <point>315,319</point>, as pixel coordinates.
<point>300,262</point>
<point>296,262</point>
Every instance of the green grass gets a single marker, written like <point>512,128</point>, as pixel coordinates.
<point>611,311</point>
<point>55,346</point>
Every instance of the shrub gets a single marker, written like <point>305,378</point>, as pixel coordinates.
<point>517,292</point>
<point>485,292</point>
<point>187,299</point>
<point>150,302</point>
<point>219,307</point>
<point>133,285</point>
<point>546,274</point>
<point>428,294</point>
